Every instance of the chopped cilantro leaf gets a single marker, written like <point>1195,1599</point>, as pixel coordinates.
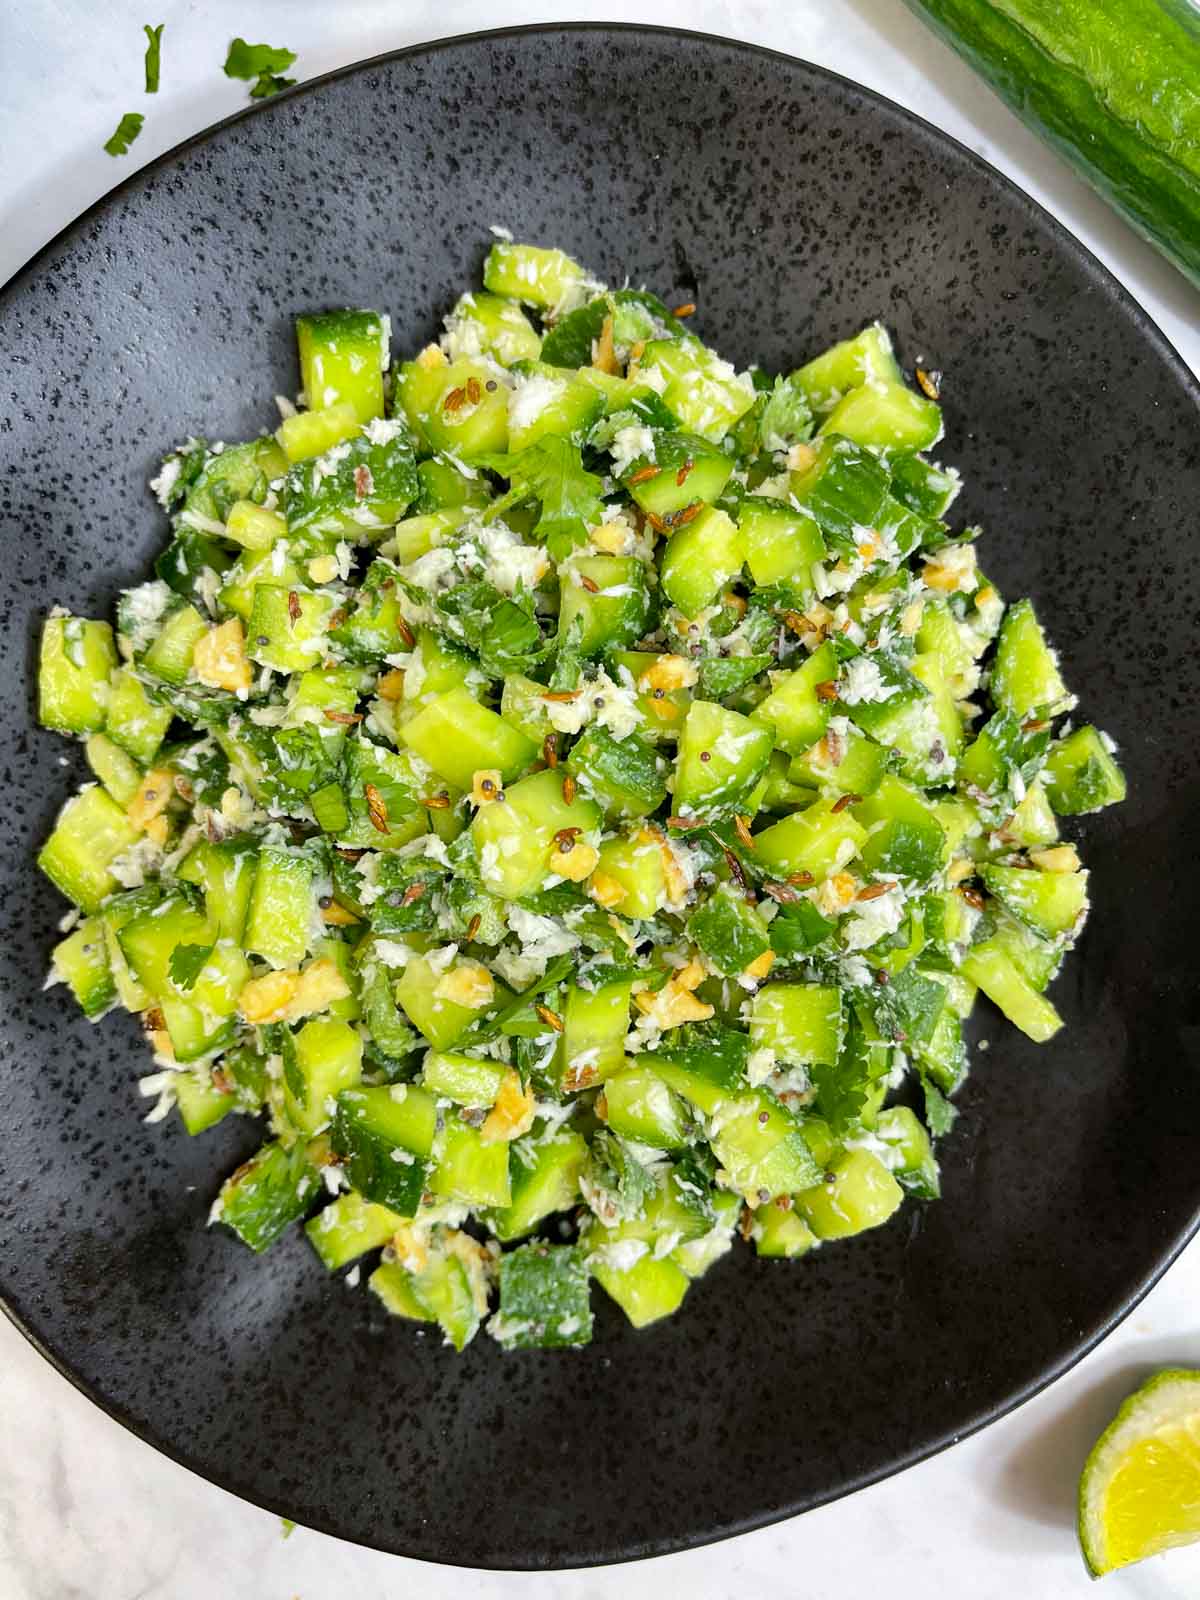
<point>261,65</point>
<point>153,55</point>
<point>127,131</point>
<point>187,963</point>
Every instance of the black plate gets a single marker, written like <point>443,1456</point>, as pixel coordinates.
<point>792,206</point>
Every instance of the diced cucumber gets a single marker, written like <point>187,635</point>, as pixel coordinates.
<point>513,836</point>
<point>133,720</point>
<point>287,627</point>
<point>704,392</point>
<point>906,838</point>
<point>646,1291</point>
<point>595,1022</point>
<point>842,489</point>
<point>722,756</point>
<point>253,568</point>
<point>1051,903</point>
<point>342,359</point>
<point>817,840</point>
<point>638,1105</point>
<point>845,761</point>
<point>170,655</point>
<point>489,324</point>
<point>546,279</point>
<point>394,1286</point>
<point>328,1059</point>
<point>76,660</point>
<point>544,1178</point>
<point>266,1194</point>
<point>451,407</point>
<point>800,1023</point>
<point>886,414</point>
<point>467,1080</point>
<point>349,1227</point>
<point>81,960</point>
<point>547,401</point>
<point>544,1301</point>
<point>761,1148</point>
<point>605,597</point>
<point>225,871</point>
<point>282,906</point>
<point>689,469</point>
<point>662,710</point>
<point>858,1192</point>
<point>1025,675</point>
<point>781,544</point>
<point>116,770</point>
<point>728,931</point>
<point>385,1136</point>
<point>797,710</point>
<point>866,358</point>
<point>459,737</point>
<point>309,434</point>
<point>700,559</point>
<point>202,1103</point>
<point>635,863</point>
<point>91,831</point>
<point>1081,775</point>
<point>442,1022</point>
<point>997,975</point>
<point>916,1168</point>
<point>253,526</point>
<point>623,775</point>
<point>466,1169</point>
<point>780,1232</point>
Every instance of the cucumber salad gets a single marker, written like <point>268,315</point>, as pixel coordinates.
<point>573,792</point>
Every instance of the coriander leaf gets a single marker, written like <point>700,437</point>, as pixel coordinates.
<point>939,1113</point>
<point>616,1184</point>
<point>251,61</point>
<point>798,927</point>
<point>552,472</point>
<point>269,84</point>
<point>153,55</point>
<point>127,131</point>
<point>569,342</point>
<point>907,1009</point>
<point>786,418</point>
<point>187,963</point>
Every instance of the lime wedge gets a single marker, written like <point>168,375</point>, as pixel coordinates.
<point>1140,1490</point>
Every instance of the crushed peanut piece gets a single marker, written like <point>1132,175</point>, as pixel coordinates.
<point>669,672</point>
<point>486,786</point>
<point>152,798</point>
<point>575,861</point>
<point>512,1114</point>
<point>391,685</point>
<point>1059,858</point>
<point>219,659</point>
<point>468,984</point>
<point>606,891</point>
<point>760,966</point>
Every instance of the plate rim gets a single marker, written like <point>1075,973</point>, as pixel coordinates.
<point>1107,281</point>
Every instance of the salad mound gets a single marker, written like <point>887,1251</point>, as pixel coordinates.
<point>573,791</point>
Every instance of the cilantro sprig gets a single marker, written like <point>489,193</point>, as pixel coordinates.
<point>261,65</point>
<point>126,132</point>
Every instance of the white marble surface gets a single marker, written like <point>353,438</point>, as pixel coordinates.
<point>87,1510</point>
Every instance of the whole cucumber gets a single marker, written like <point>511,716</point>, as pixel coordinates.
<point>1114,85</point>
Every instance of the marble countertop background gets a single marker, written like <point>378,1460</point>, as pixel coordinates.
<point>88,1512</point>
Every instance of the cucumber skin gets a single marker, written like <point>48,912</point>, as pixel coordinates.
<point>1083,80</point>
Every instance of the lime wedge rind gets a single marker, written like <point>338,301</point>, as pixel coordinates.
<point>1165,1409</point>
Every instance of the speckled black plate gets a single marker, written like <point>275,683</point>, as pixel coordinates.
<point>792,206</point>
